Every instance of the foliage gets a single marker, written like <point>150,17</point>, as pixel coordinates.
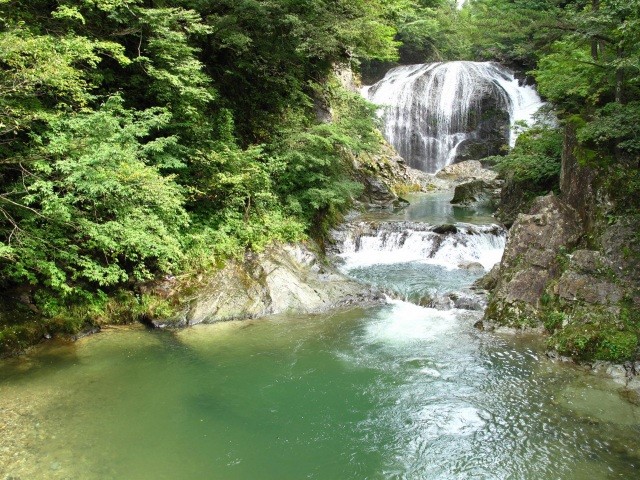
<point>535,160</point>
<point>614,127</point>
<point>146,138</point>
<point>586,341</point>
<point>314,162</point>
<point>91,208</point>
<point>553,320</point>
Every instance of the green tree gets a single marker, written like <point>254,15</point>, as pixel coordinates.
<point>90,209</point>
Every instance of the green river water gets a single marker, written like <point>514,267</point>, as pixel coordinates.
<point>391,392</point>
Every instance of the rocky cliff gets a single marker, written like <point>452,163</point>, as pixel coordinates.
<point>571,269</point>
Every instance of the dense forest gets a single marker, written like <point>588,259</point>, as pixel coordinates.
<point>142,138</point>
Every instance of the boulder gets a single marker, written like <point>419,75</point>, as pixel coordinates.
<point>531,260</point>
<point>282,279</point>
<point>377,193</point>
<point>472,266</point>
<point>464,171</point>
<point>476,192</point>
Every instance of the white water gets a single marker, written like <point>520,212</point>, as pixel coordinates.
<point>365,245</point>
<point>431,110</point>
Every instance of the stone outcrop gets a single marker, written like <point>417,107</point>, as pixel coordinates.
<point>476,192</point>
<point>466,171</point>
<point>282,279</point>
<point>568,271</point>
<point>386,177</point>
<point>513,200</point>
<point>531,260</point>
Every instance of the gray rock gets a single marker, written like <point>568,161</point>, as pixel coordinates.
<point>464,171</point>
<point>475,191</point>
<point>472,266</point>
<point>282,279</point>
<point>490,280</point>
<point>531,259</point>
<point>574,286</point>
<point>588,261</point>
<point>633,390</point>
<point>468,301</point>
<point>377,193</point>
<point>617,373</point>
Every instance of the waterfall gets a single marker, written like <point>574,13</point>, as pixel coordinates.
<point>363,244</point>
<point>434,114</point>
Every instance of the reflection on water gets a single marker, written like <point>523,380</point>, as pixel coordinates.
<point>434,208</point>
<point>391,392</point>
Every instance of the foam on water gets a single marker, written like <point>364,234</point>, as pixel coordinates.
<point>383,246</point>
<point>406,322</point>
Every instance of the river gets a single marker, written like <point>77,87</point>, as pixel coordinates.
<point>397,391</point>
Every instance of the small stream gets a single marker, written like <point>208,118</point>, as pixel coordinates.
<point>398,391</point>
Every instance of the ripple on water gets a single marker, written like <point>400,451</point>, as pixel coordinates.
<point>391,392</point>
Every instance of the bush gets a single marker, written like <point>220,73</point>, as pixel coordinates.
<point>535,160</point>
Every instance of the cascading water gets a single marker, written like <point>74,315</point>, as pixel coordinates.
<point>436,113</point>
<point>421,262</point>
<point>396,391</point>
<point>364,244</point>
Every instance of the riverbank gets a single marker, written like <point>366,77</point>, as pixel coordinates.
<point>394,389</point>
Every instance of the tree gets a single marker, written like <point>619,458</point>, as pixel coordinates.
<point>90,210</point>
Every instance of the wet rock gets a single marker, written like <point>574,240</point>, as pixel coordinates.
<point>490,280</point>
<point>632,391</point>
<point>480,325</point>
<point>468,301</point>
<point>441,302</point>
<point>554,355</point>
<point>445,229</point>
<point>86,332</point>
<point>472,266</point>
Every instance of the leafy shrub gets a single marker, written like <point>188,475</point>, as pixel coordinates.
<point>93,210</point>
<point>535,160</point>
<point>553,320</point>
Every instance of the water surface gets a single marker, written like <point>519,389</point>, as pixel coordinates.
<point>391,392</point>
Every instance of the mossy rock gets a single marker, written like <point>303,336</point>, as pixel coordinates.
<point>595,342</point>
<point>514,315</point>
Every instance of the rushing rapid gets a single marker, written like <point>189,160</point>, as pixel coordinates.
<point>433,112</point>
<point>451,246</point>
